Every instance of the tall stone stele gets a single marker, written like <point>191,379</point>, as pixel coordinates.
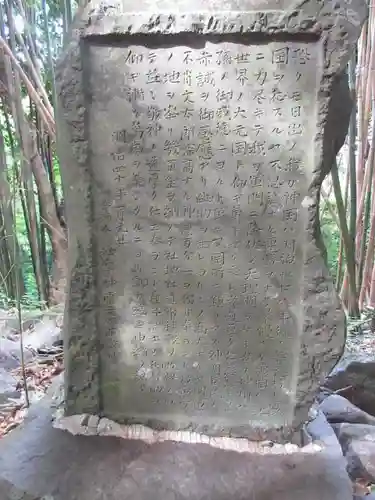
<point>195,136</point>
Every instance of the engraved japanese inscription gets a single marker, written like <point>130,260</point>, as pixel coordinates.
<point>201,161</point>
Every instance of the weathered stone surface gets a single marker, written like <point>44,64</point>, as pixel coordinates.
<point>347,432</point>
<point>44,461</point>
<point>358,444</point>
<point>44,334</point>
<point>198,297</point>
<point>10,358</point>
<point>10,354</point>
<point>356,376</point>
<point>338,410</point>
<point>319,430</point>
<point>360,456</point>
<point>9,492</point>
<point>29,320</point>
<point>7,386</point>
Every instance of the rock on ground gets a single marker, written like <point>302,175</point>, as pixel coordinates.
<point>319,430</point>
<point>7,387</point>
<point>42,460</point>
<point>337,409</point>
<point>347,432</point>
<point>358,444</point>
<point>355,374</point>
<point>9,492</point>
<point>10,359</point>
<point>360,456</point>
<point>10,354</point>
<point>43,330</point>
<point>46,333</point>
<point>29,320</point>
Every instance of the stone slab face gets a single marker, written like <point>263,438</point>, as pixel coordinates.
<point>49,464</point>
<point>194,146</point>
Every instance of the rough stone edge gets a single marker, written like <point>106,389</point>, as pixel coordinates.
<point>92,425</point>
<point>338,27</point>
<point>80,339</point>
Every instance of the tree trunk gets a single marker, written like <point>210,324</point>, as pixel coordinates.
<point>51,219</point>
<point>7,284</point>
<point>10,247</point>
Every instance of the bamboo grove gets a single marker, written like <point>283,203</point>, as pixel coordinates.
<point>354,197</point>
<point>33,237</point>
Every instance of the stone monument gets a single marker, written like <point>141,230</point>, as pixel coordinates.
<point>195,136</point>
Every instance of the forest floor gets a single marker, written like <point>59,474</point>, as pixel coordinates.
<point>42,361</point>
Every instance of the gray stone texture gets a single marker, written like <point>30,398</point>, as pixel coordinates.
<point>194,146</point>
<point>354,376</point>
<point>358,444</point>
<point>360,457</point>
<point>40,461</point>
<point>347,432</point>
<point>38,331</point>
<point>7,386</point>
<point>338,409</point>
<point>10,492</point>
<point>320,431</point>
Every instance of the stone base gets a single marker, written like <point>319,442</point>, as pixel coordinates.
<point>41,460</point>
<point>92,425</point>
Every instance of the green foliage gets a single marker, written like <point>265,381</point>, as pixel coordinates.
<point>30,298</point>
<point>57,175</point>
<point>331,236</point>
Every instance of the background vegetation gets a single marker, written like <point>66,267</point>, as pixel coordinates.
<point>33,237</point>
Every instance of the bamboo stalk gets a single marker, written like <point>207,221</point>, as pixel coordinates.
<point>49,53</point>
<point>329,208</point>
<point>352,148</point>
<point>339,269</point>
<point>19,311</point>
<point>348,244</point>
<point>369,260</point>
<point>47,118</point>
<point>362,52</point>
<point>30,59</point>
<point>363,125</point>
<point>32,45</point>
<point>15,169</point>
<point>369,268</point>
<point>359,222</point>
<point>361,259</point>
<point>35,75</point>
<point>5,204</point>
<point>19,120</point>
<point>362,100</point>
